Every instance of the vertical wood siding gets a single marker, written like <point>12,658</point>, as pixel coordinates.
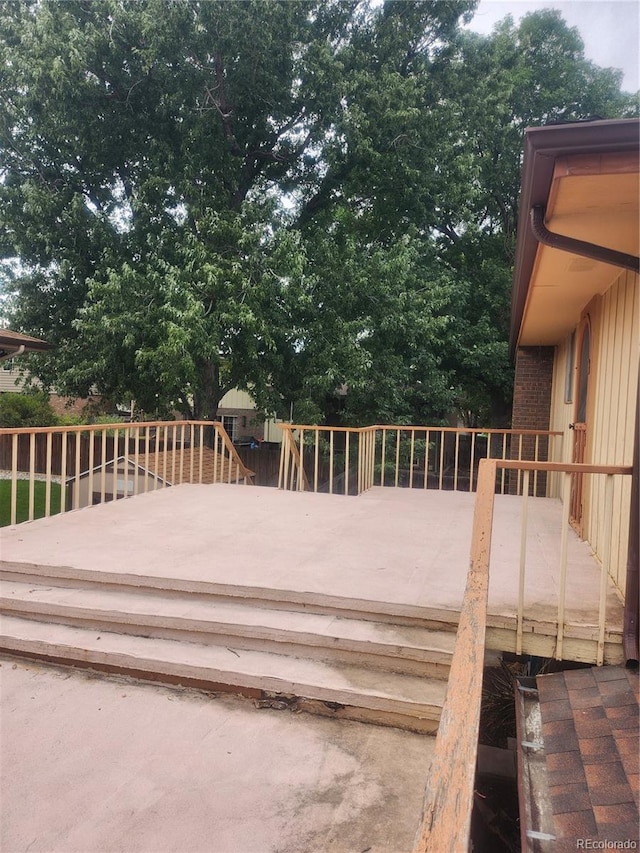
<point>615,322</point>
<point>614,377</point>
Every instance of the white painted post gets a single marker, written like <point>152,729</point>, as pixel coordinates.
<point>606,562</point>
<point>523,558</point>
<point>32,475</point>
<point>566,501</point>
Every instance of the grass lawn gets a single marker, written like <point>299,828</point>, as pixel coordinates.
<point>23,500</point>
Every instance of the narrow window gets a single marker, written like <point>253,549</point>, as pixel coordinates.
<point>570,369</point>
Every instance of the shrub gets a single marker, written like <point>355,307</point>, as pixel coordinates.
<point>26,410</point>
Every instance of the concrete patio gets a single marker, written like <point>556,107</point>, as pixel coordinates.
<point>319,602</point>
<point>95,765</point>
<point>389,545</point>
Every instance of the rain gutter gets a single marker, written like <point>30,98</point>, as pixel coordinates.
<point>579,247</point>
<point>542,147</point>
<point>5,355</point>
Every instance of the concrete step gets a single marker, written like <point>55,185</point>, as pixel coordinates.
<point>193,618</point>
<point>281,681</point>
<point>411,615</point>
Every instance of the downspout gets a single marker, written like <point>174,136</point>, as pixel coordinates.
<point>579,247</point>
<point>7,355</point>
<point>631,641</point>
<point>630,638</point>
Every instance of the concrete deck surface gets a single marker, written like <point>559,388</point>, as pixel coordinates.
<point>97,765</point>
<point>394,545</point>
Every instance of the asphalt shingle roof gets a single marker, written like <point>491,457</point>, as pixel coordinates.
<point>591,741</point>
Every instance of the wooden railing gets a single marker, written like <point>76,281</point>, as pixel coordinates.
<point>55,469</point>
<point>348,461</point>
<point>448,802</point>
<point>567,472</point>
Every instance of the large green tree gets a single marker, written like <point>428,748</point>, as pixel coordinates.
<point>148,147</point>
<point>292,197</point>
<point>412,249</point>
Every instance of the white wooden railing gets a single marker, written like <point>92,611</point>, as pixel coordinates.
<point>567,472</point>
<point>342,460</point>
<point>56,469</point>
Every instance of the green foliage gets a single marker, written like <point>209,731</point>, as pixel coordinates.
<point>26,410</point>
<point>288,197</point>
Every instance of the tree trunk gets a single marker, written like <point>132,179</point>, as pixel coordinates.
<point>207,398</point>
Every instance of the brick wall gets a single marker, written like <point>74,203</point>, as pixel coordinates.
<point>532,403</point>
<point>74,405</point>
<point>532,388</point>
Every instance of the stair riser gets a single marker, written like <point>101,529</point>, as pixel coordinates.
<point>431,663</point>
<point>339,703</point>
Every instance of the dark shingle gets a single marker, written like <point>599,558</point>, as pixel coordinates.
<point>569,798</point>
<point>558,709</point>
<point>575,824</point>
<point>598,750</point>
<point>590,731</point>
<point>599,775</point>
<point>589,697</point>
<point>579,679</point>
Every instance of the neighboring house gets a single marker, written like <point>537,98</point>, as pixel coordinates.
<point>575,314</point>
<point>13,344</point>
<point>11,378</point>
<point>157,471</point>
<point>237,412</point>
<point>237,409</point>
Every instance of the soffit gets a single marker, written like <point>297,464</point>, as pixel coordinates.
<point>594,199</point>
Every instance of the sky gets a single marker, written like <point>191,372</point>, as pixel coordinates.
<point>609,28</point>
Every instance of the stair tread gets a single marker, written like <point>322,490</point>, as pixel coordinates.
<point>280,596</point>
<point>167,608</point>
<point>336,682</point>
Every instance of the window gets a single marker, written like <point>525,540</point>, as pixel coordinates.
<point>230,423</point>
<point>583,374</point>
<point>570,369</point>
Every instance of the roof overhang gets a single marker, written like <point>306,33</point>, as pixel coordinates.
<point>15,343</point>
<point>585,178</point>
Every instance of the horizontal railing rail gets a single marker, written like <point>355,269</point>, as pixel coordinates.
<point>349,460</point>
<point>46,470</point>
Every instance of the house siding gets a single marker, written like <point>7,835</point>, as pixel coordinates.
<point>11,380</point>
<point>615,353</point>
<point>239,404</point>
<point>615,324</point>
